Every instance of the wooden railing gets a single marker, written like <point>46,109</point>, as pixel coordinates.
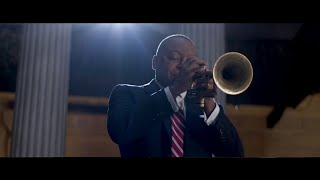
<point>6,97</point>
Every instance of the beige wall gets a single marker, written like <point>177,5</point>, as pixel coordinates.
<point>296,135</point>
<point>87,136</point>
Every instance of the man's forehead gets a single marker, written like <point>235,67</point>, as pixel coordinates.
<point>180,44</point>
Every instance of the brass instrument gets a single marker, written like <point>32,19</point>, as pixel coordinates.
<point>232,74</point>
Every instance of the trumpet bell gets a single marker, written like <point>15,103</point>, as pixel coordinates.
<point>232,73</point>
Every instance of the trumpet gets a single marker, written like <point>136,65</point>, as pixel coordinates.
<point>232,74</point>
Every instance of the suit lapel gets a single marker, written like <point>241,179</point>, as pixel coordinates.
<point>193,111</point>
<point>167,124</point>
<point>150,88</point>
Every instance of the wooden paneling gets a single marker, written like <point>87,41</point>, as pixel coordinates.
<point>87,136</point>
<point>250,123</point>
<point>5,131</point>
<point>296,135</point>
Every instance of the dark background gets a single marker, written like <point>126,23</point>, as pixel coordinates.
<point>102,57</point>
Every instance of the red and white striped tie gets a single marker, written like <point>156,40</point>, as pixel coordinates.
<point>177,125</point>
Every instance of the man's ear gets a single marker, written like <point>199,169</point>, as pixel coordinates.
<point>154,62</point>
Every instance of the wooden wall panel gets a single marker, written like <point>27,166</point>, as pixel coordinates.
<point>296,135</point>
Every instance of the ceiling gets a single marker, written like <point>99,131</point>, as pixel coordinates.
<point>246,31</point>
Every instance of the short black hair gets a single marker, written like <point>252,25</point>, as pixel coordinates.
<point>166,40</point>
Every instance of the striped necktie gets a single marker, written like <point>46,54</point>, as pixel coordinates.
<point>177,126</point>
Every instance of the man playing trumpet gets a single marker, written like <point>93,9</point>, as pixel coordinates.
<point>160,118</point>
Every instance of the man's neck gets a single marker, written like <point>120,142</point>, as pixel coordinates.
<point>183,95</point>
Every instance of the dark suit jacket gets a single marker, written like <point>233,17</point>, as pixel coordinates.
<point>139,122</point>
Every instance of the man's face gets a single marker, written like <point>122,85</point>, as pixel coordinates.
<point>174,54</point>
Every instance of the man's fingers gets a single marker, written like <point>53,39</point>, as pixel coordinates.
<point>211,84</point>
<point>193,62</point>
<point>203,83</point>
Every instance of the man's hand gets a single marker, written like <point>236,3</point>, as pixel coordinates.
<point>208,85</point>
<point>209,104</point>
<point>188,68</point>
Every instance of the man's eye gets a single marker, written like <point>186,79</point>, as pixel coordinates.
<point>174,57</point>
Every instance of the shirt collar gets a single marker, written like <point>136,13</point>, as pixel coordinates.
<point>183,95</point>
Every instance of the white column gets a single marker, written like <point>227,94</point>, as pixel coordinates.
<point>39,125</point>
<point>210,39</point>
